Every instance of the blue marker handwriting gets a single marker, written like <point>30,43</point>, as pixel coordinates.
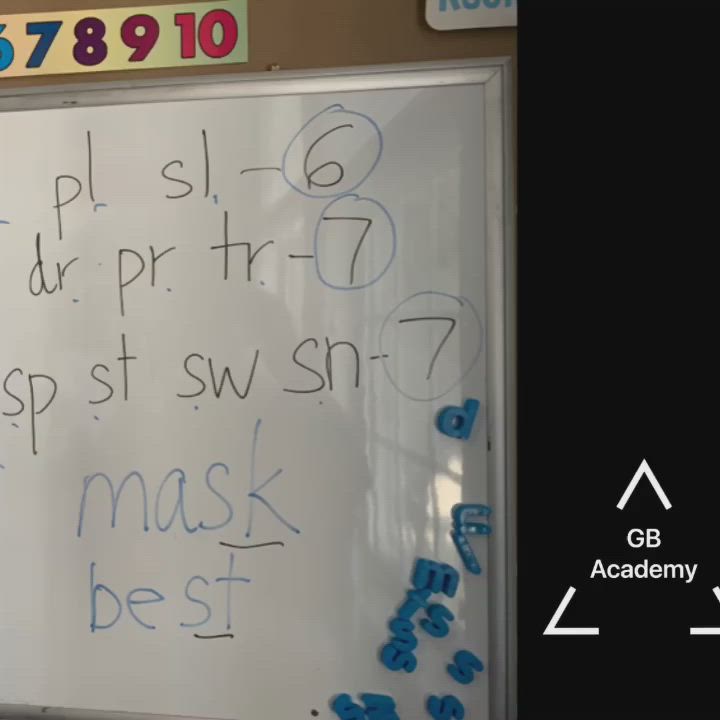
<point>120,608</point>
<point>170,507</point>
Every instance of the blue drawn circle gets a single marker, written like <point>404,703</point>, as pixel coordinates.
<point>462,301</point>
<point>332,109</point>
<point>357,198</point>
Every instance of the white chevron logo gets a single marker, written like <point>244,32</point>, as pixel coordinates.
<point>644,469</point>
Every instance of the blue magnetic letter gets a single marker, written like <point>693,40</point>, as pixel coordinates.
<point>346,709</point>
<point>437,621</point>
<point>415,600</point>
<point>465,664</point>
<point>437,577</point>
<point>458,422</point>
<point>393,659</point>
<point>404,639</point>
<point>446,708</point>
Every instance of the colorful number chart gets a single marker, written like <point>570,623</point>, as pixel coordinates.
<point>251,398</point>
<point>140,38</point>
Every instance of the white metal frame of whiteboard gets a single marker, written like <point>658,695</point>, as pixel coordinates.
<point>494,75</point>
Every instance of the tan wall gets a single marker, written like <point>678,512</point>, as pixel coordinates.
<point>302,34</point>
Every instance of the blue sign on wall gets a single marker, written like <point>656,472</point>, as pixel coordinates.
<point>457,14</point>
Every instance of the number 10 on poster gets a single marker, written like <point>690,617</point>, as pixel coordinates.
<point>123,38</point>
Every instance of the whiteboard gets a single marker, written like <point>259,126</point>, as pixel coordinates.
<point>238,305</point>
